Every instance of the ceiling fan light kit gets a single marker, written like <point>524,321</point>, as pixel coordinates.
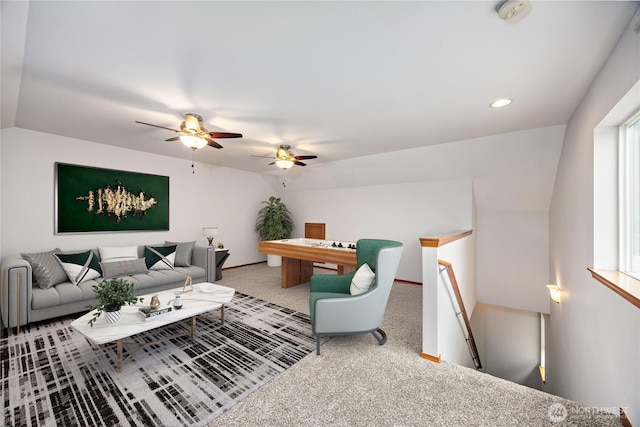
<point>284,164</point>
<point>193,142</point>
<point>194,134</point>
<point>285,158</point>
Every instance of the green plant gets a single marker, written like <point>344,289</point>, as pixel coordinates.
<point>111,295</point>
<point>274,220</point>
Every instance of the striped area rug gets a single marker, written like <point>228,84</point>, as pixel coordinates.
<point>51,375</point>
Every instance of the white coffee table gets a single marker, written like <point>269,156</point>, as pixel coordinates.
<point>194,303</point>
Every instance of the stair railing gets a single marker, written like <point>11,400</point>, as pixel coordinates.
<point>462,311</point>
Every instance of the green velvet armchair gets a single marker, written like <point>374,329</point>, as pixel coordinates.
<point>335,311</point>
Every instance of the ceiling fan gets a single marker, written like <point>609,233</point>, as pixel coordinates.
<point>285,158</point>
<point>194,134</point>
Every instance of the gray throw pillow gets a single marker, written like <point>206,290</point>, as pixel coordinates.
<point>123,268</point>
<point>47,271</point>
<point>183,253</point>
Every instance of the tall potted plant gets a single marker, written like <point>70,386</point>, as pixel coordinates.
<point>274,223</point>
<point>112,294</point>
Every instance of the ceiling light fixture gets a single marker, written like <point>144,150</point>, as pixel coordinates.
<point>193,142</point>
<point>499,103</point>
<point>284,163</point>
<point>284,157</point>
<point>509,10</point>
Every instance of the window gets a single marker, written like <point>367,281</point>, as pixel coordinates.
<point>630,197</point>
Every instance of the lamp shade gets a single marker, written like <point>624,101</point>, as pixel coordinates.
<point>209,231</point>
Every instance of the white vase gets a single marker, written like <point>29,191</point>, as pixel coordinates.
<point>112,316</point>
<point>274,260</point>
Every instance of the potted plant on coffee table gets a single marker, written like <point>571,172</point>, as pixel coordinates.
<point>112,294</point>
<point>274,223</point>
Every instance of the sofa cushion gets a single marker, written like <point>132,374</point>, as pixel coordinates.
<point>45,268</point>
<point>123,268</point>
<point>160,257</point>
<point>118,253</point>
<point>183,253</point>
<point>80,267</point>
<point>67,293</point>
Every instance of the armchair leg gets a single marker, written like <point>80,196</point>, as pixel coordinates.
<point>381,339</point>
<point>318,345</point>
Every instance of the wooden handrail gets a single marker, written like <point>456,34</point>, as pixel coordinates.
<point>443,239</point>
<point>456,290</point>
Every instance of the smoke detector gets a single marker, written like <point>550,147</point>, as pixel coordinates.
<point>509,10</point>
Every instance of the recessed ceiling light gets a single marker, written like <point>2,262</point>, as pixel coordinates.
<point>503,102</point>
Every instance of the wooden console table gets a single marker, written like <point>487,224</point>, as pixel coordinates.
<point>298,256</point>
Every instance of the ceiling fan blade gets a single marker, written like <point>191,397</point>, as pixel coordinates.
<point>175,138</point>
<point>212,143</point>
<point>219,135</point>
<point>156,126</point>
<point>305,157</point>
<point>272,163</point>
<point>299,163</point>
<point>264,157</point>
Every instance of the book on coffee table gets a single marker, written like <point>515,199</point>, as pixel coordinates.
<point>149,313</point>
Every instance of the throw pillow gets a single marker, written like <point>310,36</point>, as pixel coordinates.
<point>160,257</point>
<point>80,267</point>
<point>46,270</point>
<point>123,268</point>
<point>118,253</point>
<point>183,253</point>
<point>362,280</point>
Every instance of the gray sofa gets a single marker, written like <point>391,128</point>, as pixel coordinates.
<point>22,301</point>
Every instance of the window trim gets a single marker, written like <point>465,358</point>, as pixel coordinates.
<point>628,165</point>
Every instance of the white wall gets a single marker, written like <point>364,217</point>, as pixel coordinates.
<point>213,196</point>
<point>508,342</point>
<point>402,212</point>
<point>513,259</point>
<point>594,343</point>
<point>510,173</point>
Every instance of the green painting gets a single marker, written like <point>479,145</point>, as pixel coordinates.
<point>92,200</point>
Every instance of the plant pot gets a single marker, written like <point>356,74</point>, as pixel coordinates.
<point>112,316</point>
<point>274,260</point>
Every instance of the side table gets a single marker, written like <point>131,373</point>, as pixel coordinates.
<point>215,260</point>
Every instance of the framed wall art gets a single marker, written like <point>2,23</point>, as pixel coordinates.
<point>89,199</point>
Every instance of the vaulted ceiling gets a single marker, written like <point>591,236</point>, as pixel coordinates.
<point>336,79</point>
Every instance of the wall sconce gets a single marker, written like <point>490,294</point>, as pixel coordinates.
<point>210,233</point>
<point>554,293</point>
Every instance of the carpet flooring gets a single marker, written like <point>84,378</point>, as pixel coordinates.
<point>355,382</point>
<point>51,375</point>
